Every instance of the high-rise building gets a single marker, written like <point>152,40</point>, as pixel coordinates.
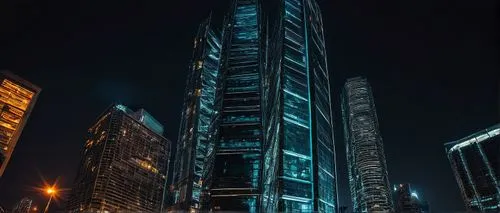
<point>299,163</point>
<point>271,126</point>
<point>198,116</point>
<point>407,200</point>
<point>124,164</point>
<point>236,173</point>
<point>23,206</point>
<point>368,178</point>
<point>475,161</point>
<point>17,99</point>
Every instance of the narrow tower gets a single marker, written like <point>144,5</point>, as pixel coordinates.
<point>368,178</point>
<point>299,163</point>
<point>236,173</point>
<point>198,115</point>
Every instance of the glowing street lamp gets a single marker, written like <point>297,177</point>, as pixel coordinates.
<point>51,191</point>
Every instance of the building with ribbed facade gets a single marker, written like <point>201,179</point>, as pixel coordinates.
<point>23,206</point>
<point>299,159</point>
<point>475,161</point>
<point>124,164</point>
<point>367,168</point>
<point>17,99</point>
<point>199,114</point>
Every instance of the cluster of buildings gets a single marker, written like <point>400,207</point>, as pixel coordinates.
<point>256,132</point>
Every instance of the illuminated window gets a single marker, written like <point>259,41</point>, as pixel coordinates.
<point>199,65</point>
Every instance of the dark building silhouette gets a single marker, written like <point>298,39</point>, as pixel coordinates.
<point>407,200</point>
<point>124,164</point>
<point>17,99</point>
<point>197,121</point>
<point>368,178</point>
<point>475,161</point>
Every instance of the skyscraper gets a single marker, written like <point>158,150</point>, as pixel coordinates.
<point>368,178</point>
<point>17,99</point>
<point>299,163</point>
<point>475,161</point>
<point>236,173</point>
<point>407,200</point>
<point>23,206</point>
<point>124,164</point>
<point>198,116</point>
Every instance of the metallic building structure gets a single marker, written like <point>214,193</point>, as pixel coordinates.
<point>236,170</point>
<point>23,206</point>
<point>17,99</point>
<point>407,201</point>
<point>475,161</point>
<point>124,164</point>
<point>367,169</point>
<point>299,163</point>
<point>270,123</point>
<point>198,117</point>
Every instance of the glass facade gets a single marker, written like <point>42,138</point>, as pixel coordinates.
<point>475,161</point>
<point>299,163</point>
<point>124,164</point>
<point>367,169</point>
<point>17,98</point>
<point>236,171</point>
<point>198,116</point>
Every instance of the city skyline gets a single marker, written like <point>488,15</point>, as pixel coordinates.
<point>440,111</point>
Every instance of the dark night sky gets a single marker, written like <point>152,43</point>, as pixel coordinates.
<point>433,65</point>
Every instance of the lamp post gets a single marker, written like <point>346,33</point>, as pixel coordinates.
<point>51,191</point>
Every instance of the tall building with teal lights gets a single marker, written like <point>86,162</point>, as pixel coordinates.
<point>236,173</point>
<point>198,116</point>
<point>299,159</point>
<point>271,146</point>
<point>367,168</point>
<point>475,161</point>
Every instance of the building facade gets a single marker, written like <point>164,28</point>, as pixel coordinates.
<point>407,200</point>
<point>272,127</point>
<point>124,164</point>
<point>198,118</point>
<point>17,99</point>
<point>236,172</point>
<point>367,169</point>
<point>299,162</point>
<point>475,161</point>
<point>23,206</point>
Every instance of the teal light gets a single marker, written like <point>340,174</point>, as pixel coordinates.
<point>414,194</point>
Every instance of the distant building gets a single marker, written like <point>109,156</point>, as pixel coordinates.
<point>198,116</point>
<point>124,164</point>
<point>407,200</point>
<point>17,99</point>
<point>475,161</point>
<point>23,206</point>
<point>367,169</point>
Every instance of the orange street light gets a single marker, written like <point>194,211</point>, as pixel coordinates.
<point>51,191</point>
